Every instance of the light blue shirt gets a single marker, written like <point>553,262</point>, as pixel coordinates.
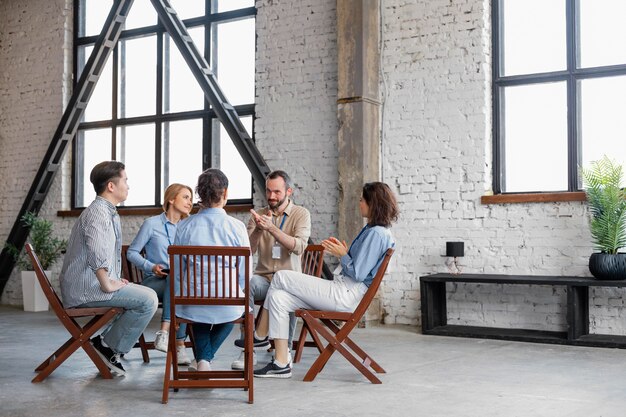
<point>366,253</point>
<point>212,227</point>
<point>155,235</point>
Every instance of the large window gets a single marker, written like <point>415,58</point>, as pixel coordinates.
<point>148,110</point>
<point>559,90</point>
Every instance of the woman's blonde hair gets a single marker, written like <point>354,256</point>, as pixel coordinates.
<point>170,194</point>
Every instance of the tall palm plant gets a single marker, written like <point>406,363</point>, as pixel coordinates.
<point>607,204</point>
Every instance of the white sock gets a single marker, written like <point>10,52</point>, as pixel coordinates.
<point>280,364</point>
<point>257,337</point>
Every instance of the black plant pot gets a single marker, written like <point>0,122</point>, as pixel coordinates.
<point>607,266</point>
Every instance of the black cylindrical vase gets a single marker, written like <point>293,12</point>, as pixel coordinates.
<point>608,267</point>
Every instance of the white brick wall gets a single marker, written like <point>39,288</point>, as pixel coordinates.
<point>296,95</point>
<point>436,149</point>
<point>34,39</point>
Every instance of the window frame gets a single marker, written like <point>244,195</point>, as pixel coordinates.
<point>210,147</point>
<point>571,76</point>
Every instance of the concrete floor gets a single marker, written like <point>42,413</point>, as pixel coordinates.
<point>426,376</point>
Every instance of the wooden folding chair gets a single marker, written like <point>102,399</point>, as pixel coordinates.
<point>208,276</point>
<point>323,324</point>
<point>80,335</point>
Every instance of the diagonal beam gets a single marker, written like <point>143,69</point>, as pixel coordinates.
<point>213,93</point>
<point>65,131</point>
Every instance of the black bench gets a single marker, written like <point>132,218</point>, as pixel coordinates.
<point>434,310</point>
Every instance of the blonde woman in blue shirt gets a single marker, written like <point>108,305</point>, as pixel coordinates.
<point>155,235</point>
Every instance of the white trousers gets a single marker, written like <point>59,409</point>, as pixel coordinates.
<point>290,290</point>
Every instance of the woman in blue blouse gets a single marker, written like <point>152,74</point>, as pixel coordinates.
<point>290,290</point>
<point>155,235</point>
<point>211,227</point>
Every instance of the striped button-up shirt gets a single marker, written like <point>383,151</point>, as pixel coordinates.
<point>95,242</point>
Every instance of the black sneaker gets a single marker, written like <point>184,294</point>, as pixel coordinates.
<point>108,355</point>
<point>271,370</point>
<point>258,343</point>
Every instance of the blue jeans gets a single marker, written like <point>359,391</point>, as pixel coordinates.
<point>208,338</point>
<point>162,287</point>
<point>139,304</point>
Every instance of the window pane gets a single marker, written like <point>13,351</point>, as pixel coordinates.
<point>182,153</point>
<point>99,106</point>
<point>188,8</point>
<point>601,24</point>
<point>137,91</point>
<point>181,91</point>
<point>603,123</point>
<point>231,163</point>
<point>141,14</point>
<point>135,148</point>
<point>235,60</point>
<point>96,145</point>
<point>95,14</point>
<point>534,36</point>
<point>535,135</point>
<point>226,5</point>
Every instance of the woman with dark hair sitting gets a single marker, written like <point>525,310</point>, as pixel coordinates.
<point>290,290</point>
<point>211,227</point>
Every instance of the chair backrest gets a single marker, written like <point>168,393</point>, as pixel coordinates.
<point>373,288</point>
<point>209,275</point>
<point>53,299</point>
<point>313,260</point>
<point>129,270</point>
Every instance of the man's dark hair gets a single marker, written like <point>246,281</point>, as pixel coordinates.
<point>211,186</point>
<point>383,208</point>
<point>280,174</point>
<point>105,172</point>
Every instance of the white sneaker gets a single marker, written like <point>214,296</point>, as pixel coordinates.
<point>204,366</point>
<point>181,354</point>
<point>193,366</point>
<point>160,341</point>
<point>239,362</point>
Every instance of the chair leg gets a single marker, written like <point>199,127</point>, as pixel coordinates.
<point>334,343</point>
<point>366,359</point>
<point>80,338</point>
<point>249,349</point>
<point>300,344</point>
<point>166,377</point>
<point>144,349</point>
<point>51,358</point>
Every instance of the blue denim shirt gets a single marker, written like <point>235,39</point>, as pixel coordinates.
<point>155,235</point>
<point>366,253</point>
<point>212,227</point>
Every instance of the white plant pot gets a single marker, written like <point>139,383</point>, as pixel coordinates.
<point>33,296</point>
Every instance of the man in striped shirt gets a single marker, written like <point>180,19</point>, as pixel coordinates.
<point>91,273</point>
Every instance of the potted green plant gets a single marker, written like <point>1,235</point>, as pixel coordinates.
<point>607,207</point>
<point>48,249</point>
